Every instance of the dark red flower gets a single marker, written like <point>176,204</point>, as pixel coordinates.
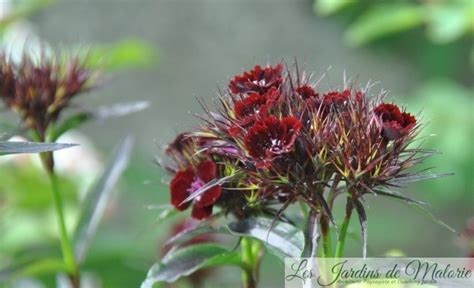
<point>257,80</point>
<point>251,105</point>
<point>271,136</point>
<point>187,181</point>
<point>307,92</point>
<point>336,97</point>
<point>395,123</point>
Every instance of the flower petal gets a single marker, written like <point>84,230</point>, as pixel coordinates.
<point>209,197</point>
<point>206,170</point>
<point>179,188</point>
<point>201,213</point>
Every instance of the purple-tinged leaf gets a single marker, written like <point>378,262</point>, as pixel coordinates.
<point>187,260</point>
<point>416,178</point>
<point>398,196</point>
<point>9,147</point>
<point>363,224</point>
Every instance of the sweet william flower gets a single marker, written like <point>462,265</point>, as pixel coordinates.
<point>336,98</point>
<point>271,136</point>
<point>251,106</point>
<point>39,90</point>
<point>307,92</point>
<point>395,123</point>
<point>280,141</point>
<point>190,180</point>
<point>257,80</point>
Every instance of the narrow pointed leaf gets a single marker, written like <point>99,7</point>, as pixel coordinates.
<point>120,109</point>
<point>311,236</point>
<point>185,261</point>
<point>203,227</point>
<point>282,239</point>
<point>8,147</point>
<point>416,178</point>
<point>363,224</point>
<point>398,196</point>
<point>97,200</point>
<point>434,218</point>
<point>327,211</point>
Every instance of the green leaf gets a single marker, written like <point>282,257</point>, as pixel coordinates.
<point>185,261</point>
<point>9,147</point>
<point>125,54</point>
<point>383,20</point>
<point>68,124</point>
<point>97,200</point>
<point>33,268</point>
<point>449,21</point>
<point>327,7</point>
<point>282,239</point>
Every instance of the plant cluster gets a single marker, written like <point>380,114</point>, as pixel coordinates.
<point>275,140</point>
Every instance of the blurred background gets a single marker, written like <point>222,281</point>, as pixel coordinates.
<point>170,52</point>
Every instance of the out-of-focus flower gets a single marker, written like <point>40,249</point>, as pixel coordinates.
<point>307,92</point>
<point>336,98</point>
<point>257,80</point>
<point>39,89</point>
<point>191,180</point>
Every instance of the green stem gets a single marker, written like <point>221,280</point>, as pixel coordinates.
<point>343,232</point>
<point>251,257</point>
<point>66,247</point>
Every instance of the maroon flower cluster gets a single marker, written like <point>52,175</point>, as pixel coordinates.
<point>39,90</point>
<point>277,139</point>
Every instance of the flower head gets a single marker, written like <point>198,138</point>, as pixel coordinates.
<point>257,80</point>
<point>277,143</point>
<point>395,123</point>
<point>190,180</point>
<point>39,90</point>
<point>270,136</point>
<point>307,92</point>
<point>252,105</point>
<point>336,98</point>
